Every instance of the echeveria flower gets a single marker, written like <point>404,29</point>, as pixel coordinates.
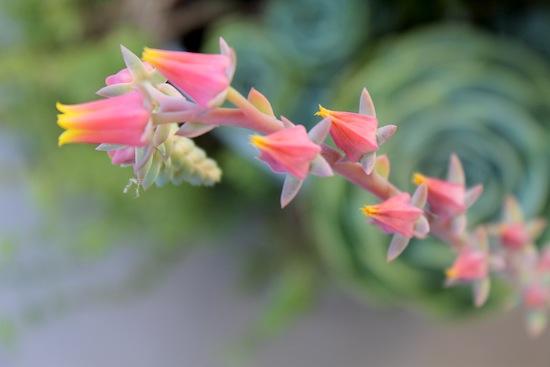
<point>352,132</point>
<point>446,198</point>
<point>357,134</point>
<point>120,120</point>
<point>536,300</point>
<point>514,232</point>
<point>401,216</point>
<point>472,266</point>
<point>203,77</point>
<point>449,198</point>
<point>287,151</point>
<point>395,215</point>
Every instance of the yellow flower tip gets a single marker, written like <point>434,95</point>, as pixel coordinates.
<point>418,179</point>
<point>60,106</point>
<point>451,273</point>
<point>63,139</point>
<point>369,210</point>
<point>258,141</point>
<point>323,112</point>
<point>149,54</point>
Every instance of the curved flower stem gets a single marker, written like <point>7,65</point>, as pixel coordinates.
<point>444,232</point>
<point>353,172</point>
<point>262,122</point>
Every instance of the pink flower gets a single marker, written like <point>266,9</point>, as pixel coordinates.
<point>287,151</point>
<point>470,265</point>
<point>120,120</point>
<point>536,296</point>
<point>203,77</point>
<point>354,133</point>
<point>395,215</point>
<point>514,235</point>
<point>446,199</point>
<point>514,232</point>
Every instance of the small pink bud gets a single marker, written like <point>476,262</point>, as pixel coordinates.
<point>124,75</point>
<point>125,155</point>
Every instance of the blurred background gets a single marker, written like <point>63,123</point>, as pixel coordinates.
<point>190,276</point>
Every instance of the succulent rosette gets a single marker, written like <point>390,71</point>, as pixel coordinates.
<point>311,30</point>
<point>448,89</point>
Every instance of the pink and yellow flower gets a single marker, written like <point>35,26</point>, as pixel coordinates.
<point>395,215</point>
<point>446,199</point>
<point>470,265</point>
<point>287,151</point>
<point>203,77</point>
<point>120,120</point>
<point>354,133</point>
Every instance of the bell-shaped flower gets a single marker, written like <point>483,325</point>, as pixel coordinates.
<point>402,216</point>
<point>472,266</point>
<point>123,120</point>
<point>317,166</point>
<point>449,198</point>
<point>395,215</point>
<point>514,232</point>
<point>287,151</point>
<point>536,300</point>
<point>205,78</point>
<point>357,134</point>
<point>352,132</point>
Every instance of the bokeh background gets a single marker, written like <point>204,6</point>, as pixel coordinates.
<point>190,276</point>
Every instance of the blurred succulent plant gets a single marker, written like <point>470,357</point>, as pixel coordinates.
<point>449,89</point>
<point>317,34</point>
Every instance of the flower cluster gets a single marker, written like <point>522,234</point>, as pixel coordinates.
<point>153,108</point>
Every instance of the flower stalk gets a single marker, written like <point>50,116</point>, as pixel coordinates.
<point>148,124</point>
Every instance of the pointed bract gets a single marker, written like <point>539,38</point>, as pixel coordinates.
<point>291,187</point>
<point>455,172</point>
<point>194,129</point>
<point>366,106</point>
<point>259,101</point>
<point>397,246</point>
<point>382,166</point>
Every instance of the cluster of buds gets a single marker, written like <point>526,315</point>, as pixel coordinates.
<point>153,108</point>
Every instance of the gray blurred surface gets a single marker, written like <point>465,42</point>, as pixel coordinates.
<point>196,317</point>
